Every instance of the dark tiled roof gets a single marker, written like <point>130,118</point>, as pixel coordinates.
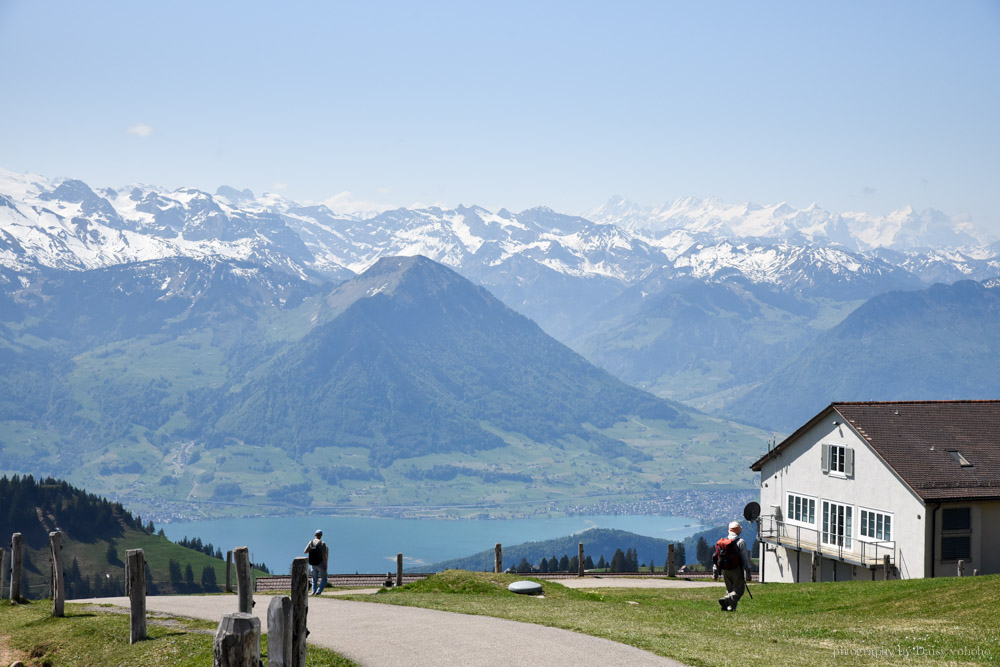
<point>915,439</point>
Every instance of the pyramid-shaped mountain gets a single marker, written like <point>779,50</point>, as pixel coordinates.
<point>409,358</point>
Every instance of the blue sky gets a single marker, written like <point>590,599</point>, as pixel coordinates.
<point>854,106</point>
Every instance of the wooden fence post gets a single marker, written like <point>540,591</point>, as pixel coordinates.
<point>229,571</point>
<point>279,632</point>
<point>244,585</point>
<point>4,570</point>
<point>58,583</point>
<point>498,558</point>
<point>399,569</point>
<point>237,641</point>
<point>814,575</point>
<point>580,559</point>
<point>961,568</point>
<point>135,587</point>
<point>886,567</point>
<point>300,609</point>
<point>15,567</point>
<point>671,567</point>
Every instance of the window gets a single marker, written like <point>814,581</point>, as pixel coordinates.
<point>956,533</point>
<point>837,524</point>
<point>801,509</point>
<point>838,460</point>
<point>959,459</point>
<point>876,525</point>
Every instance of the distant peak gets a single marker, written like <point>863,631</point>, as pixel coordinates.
<point>234,195</point>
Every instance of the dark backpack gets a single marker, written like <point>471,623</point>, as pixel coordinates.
<point>315,553</point>
<point>727,554</point>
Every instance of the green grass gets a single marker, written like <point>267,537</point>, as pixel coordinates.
<point>87,637</point>
<point>925,621</point>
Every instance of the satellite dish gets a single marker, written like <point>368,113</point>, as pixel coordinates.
<point>751,511</point>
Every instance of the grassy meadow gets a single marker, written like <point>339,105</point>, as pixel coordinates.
<point>89,636</point>
<point>927,621</point>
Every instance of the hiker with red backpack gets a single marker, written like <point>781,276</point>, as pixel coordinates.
<point>732,558</point>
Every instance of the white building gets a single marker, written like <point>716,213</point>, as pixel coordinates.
<point>916,481</point>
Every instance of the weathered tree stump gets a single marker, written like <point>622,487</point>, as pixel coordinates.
<point>135,587</point>
<point>244,584</point>
<point>498,558</point>
<point>671,567</point>
<point>58,583</point>
<point>279,632</point>
<point>237,641</point>
<point>16,555</point>
<point>300,609</point>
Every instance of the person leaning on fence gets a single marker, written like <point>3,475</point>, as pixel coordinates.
<point>732,558</point>
<point>318,556</point>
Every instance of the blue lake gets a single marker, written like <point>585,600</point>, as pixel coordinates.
<point>370,545</point>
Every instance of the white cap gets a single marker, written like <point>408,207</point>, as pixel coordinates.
<point>319,532</point>
<point>735,526</point>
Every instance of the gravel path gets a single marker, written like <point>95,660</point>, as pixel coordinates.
<point>391,636</point>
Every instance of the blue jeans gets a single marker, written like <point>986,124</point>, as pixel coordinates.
<point>319,579</point>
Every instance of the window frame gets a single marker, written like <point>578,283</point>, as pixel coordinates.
<point>805,500</point>
<point>837,460</point>
<point>879,514</point>
<point>962,533</point>
<point>846,537</point>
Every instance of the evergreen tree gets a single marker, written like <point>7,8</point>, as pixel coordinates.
<point>174,569</point>
<point>601,565</point>
<point>208,582</point>
<point>524,566</point>
<point>618,561</point>
<point>680,557</point>
<point>543,567</point>
<point>564,563</point>
<point>702,553</point>
<point>588,563</point>
<point>189,576</point>
<point>574,564</point>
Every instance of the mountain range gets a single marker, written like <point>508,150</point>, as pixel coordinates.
<point>257,322</point>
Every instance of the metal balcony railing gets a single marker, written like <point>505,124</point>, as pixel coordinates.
<point>845,548</point>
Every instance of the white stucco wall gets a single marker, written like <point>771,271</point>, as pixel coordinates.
<point>873,486</point>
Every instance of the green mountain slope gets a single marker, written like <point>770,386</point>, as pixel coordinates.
<point>95,535</point>
<point>938,343</point>
<point>217,389</point>
<point>419,360</point>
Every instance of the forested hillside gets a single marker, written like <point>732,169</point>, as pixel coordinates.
<point>95,534</point>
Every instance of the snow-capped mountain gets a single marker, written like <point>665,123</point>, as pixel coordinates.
<point>65,224</point>
<point>904,229</point>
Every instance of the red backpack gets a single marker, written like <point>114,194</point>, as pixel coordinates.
<point>727,554</point>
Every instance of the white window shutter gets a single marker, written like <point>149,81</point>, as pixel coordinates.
<point>826,458</point>
<point>849,462</point>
